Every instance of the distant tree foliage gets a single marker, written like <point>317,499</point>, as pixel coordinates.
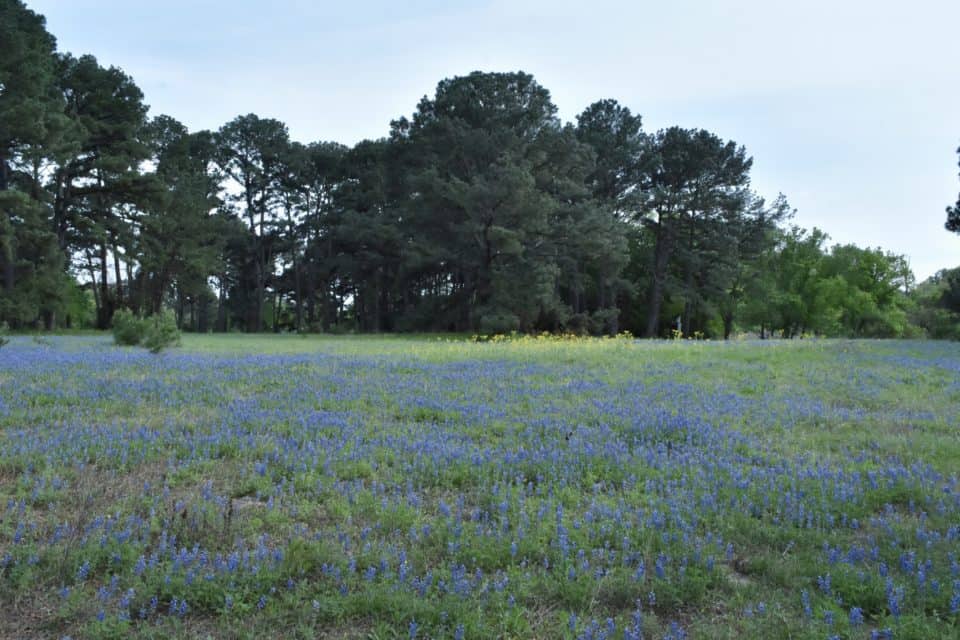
<point>480,212</point>
<point>953,213</point>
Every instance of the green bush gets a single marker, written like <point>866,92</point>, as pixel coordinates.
<point>161,332</point>
<point>578,324</point>
<point>4,340</point>
<point>498,322</point>
<point>128,329</point>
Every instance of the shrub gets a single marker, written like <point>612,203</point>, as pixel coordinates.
<point>578,324</point>
<point>603,321</point>
<point>4,340</point>
<point>498,322</point>
<point>161,332</point>
<point>128,329</point>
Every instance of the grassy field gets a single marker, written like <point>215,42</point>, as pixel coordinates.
<point>383,487</point>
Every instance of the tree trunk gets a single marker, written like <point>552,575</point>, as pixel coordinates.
<point>106,307</point>
<point>61,201</point>
<point>179,308</point>
<point>485,277</point>
<point>202,314</point>
<point>614,318</point>
<point>9,258</point>
<point>298,296</point>
<point>93,283</point>
<point>256,313</point>
<point>328,307</point>
<point>383,305</point>
<point>135,305</point>
<point>119,277</point>
<point>9,253</point>
<point>377,310</point>
<point>4,173</point>
<point>661,255</point>
<point>255,307</point>
<point>160,286</point>
<point>311,305</point>
<point>222,307</point>
<point>277,299</point>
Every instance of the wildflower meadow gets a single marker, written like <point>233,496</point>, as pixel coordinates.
<point>368,487</point>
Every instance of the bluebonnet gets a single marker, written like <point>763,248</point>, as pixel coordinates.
<point>586,483</point>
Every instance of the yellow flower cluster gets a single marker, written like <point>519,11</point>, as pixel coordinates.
<point>546,336</point>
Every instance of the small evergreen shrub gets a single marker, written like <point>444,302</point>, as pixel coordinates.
<point>4,340</point>
<point>161,332</point>
<point>128,329</point>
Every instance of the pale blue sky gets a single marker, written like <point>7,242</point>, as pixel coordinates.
<point>849,107</point>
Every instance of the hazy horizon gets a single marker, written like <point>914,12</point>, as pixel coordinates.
<point>849,111</point>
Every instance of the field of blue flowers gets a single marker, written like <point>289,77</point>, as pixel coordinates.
<point>411,488</point>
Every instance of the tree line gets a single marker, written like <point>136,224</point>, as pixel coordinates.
<point>480,212</point>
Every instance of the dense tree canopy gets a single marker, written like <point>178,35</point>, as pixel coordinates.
<point>481,211</point>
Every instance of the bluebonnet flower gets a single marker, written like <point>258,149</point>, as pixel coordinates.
<point>856,616</point>
<point>307,436</point>
<point>823,583</point>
